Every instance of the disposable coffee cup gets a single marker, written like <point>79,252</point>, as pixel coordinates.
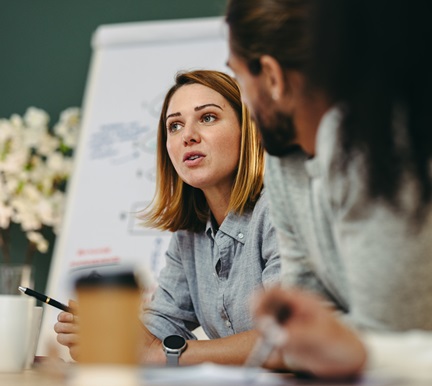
<point>108,312</point>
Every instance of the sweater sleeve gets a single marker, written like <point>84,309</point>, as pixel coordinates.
<point>407,354</point>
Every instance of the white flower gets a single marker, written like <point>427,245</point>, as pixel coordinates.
<point>31,193</point>
<point>71,117</point>
<point>68,126</point>
<point>27,218</point>
<point>10,187</point>
<point>67,166</point>
<point>37,239</point>
<point>5,132</point>
<point>45,211</point>
<point>55,162</point>
<point>5,215</point>
<point>15,162</point>
<point>16,120</point>
<point>47,144</point>
<point>36,118</point>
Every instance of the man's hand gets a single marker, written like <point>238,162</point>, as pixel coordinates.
<point>317,341</point>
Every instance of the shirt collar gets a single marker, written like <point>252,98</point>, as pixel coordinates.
<point>234,225</point>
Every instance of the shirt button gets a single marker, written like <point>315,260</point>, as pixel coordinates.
<point>240,235</point>
<point>228,324</point>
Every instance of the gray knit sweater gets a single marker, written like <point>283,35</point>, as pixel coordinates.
<point>333,239</point>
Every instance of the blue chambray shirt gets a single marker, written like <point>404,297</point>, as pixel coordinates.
<point>209,278</point>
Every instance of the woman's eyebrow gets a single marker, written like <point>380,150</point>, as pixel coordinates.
<point>173,115</point>
<point>198,108</point>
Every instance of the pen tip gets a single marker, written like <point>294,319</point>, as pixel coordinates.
<point>22,289</point>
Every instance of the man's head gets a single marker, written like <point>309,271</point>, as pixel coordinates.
<point>369,56</point>
<point>277,28</point>
<point>269,45</point>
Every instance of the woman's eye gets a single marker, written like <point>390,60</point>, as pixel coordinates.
<point>208,118</point>
<point>173,127</point>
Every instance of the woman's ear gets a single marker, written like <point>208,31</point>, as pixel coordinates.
<point>284,86</point>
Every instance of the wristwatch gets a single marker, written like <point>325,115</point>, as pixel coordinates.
<point>173,345</point>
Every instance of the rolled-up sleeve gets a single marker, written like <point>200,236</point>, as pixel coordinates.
<point>271,274</point>
<point>171,310</point>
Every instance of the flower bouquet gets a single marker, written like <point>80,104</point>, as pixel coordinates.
<point>35,164</point>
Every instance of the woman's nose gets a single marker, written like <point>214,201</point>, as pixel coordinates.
<point>190,135</point>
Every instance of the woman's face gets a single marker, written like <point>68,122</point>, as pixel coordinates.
<point>203,138</point>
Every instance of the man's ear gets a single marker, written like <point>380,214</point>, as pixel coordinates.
<point>273,76</point>
<point>282,85</point>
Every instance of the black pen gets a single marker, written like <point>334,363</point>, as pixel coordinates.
<point>45,299</point>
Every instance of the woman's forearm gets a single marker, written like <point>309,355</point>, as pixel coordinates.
<point>231,350</point>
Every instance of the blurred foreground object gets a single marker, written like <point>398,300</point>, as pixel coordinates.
<point>108,307</point>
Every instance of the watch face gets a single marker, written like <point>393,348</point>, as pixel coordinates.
<point>174,342</point>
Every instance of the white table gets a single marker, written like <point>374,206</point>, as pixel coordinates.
<point>43,377</point>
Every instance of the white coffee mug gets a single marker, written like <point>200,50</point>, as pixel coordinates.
<point>16,314</point>
<point>34,335</point>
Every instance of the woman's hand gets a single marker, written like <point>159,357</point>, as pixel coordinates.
<point>316,341</point>
<point>67,330</point>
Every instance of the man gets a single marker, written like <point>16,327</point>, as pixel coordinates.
<point>348,175</point>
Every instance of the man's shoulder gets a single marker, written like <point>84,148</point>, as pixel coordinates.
<point>286,175</point>
<point>290,165</point>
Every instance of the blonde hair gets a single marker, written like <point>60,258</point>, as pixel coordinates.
<point>177,205</point>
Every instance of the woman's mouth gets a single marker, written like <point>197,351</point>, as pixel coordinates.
<point>193,158</point>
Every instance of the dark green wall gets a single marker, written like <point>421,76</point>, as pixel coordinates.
<point>45,54</point>
<point>45,44</point>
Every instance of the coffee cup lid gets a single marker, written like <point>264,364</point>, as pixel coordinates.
<point>125,279</point>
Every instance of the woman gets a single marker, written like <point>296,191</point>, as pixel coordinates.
<point>210,169</point>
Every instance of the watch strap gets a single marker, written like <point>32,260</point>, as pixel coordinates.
<point>172,358</point>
